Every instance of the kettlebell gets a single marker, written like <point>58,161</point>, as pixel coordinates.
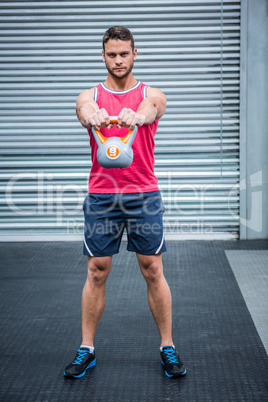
<point>114,152</point>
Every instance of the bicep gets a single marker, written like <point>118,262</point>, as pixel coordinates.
<point>86,98</point>
<point>159,99</point>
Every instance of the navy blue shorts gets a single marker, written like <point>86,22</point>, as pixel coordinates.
<point>107,215</point>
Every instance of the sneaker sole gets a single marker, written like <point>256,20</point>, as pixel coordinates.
<point>84,372</point>
<point>171,375</point>
<point>179,375</point>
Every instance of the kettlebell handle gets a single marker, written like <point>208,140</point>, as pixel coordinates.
<point>113,119</point>
<point>128,139</point>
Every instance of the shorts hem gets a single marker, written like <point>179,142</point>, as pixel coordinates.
<point>144,252</point>
<point>97,254</point>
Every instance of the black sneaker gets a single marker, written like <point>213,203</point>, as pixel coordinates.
<point>83,360</point>
<point>174,367</point>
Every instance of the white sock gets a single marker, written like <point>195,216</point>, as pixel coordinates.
<point>166,346</point>
<point>91,348</point>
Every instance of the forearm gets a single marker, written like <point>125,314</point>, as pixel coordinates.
<point>151,108</point>
<point>148,109</point>
<point>84,111</point>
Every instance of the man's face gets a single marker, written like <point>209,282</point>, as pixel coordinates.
<point>119,57</point>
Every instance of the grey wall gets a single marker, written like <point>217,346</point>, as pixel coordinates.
<point>254,120</point>
<point>52,51</point>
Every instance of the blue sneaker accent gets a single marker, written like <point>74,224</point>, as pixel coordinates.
<point>171,356</point>
<point>80,356</point>
<point>169,375</point>
<point>171,361</point>
<point>90,365</point>
<point>83,361</point>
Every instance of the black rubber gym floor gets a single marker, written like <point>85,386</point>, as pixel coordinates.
<point>41,286</point>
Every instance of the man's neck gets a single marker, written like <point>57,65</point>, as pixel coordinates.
<point>120,84</point>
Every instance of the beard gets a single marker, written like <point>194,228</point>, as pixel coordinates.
<point>119,76</point>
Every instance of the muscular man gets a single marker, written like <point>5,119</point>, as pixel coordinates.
<point>123,198</point>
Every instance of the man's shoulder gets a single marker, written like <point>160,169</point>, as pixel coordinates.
<point>89,91</point>
<point>156,92</point>
<point>86,94</point>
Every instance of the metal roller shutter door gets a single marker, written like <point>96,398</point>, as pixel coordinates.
<point>51,51</point>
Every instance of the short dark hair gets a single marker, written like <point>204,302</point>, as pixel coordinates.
<point>118,32</point>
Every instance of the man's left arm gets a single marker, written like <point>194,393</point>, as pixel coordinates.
<point>151,108</point>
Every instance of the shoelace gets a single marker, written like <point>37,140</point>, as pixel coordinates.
<point>80,356</point>
<point>170,353</point>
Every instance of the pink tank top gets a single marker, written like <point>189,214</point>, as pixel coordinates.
<point>139,176</point>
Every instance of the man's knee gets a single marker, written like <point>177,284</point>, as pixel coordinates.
<point>98,269</point>
<point>151,268</point>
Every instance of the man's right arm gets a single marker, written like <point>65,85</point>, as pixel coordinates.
<point>88,112</point>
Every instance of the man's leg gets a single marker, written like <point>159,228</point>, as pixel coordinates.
<point>93,303</point>
<point>161,307</point>
<point>93,296</point>
<point>159,295</point>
